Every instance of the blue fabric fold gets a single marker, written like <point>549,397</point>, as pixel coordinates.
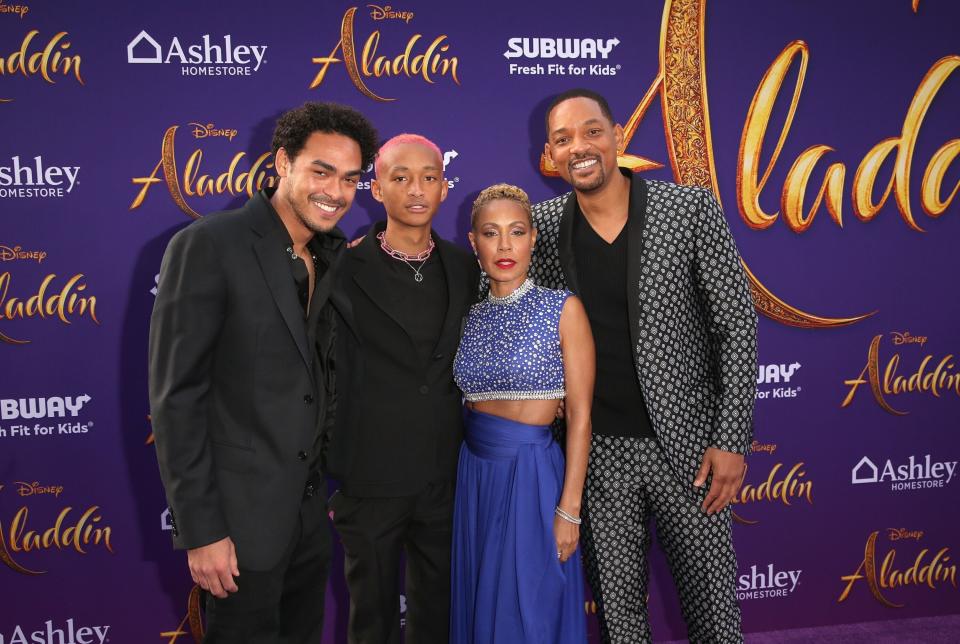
<point>507,584</point>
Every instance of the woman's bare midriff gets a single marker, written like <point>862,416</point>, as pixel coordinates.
<point>530,412</point>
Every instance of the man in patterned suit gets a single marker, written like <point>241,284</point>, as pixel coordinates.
<point>675,328</point>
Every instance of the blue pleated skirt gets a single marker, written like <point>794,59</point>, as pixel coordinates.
<point>508,587</point>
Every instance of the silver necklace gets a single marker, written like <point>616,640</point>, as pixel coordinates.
<point>519,292</point>
<point>405,258</point>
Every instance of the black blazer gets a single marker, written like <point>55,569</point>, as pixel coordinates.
<point>398,421</point>
<point>233,388</point>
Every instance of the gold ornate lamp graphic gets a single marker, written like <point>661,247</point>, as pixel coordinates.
<point>681,86</point>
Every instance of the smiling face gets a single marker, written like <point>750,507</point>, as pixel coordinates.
<point>503,239</point>
<point>410,183</point>
<point>320,182</point>
<point>583,144</point>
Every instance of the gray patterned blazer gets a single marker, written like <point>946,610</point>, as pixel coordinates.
<point>692,320</point>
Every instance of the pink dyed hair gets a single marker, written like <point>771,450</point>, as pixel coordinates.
<point>402,139</point>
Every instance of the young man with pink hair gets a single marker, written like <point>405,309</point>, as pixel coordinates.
<point>402,294</point>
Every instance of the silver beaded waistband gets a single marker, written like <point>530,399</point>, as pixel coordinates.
<point>544,394</point>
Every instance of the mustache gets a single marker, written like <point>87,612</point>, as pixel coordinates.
<point>338,203</point>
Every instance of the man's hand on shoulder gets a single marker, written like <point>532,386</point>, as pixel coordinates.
<point>214,567</point>
<point>728,469</point>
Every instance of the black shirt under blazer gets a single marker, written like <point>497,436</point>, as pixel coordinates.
<point>398,419</point>
<point>693,324</point>
<point>234,391</point>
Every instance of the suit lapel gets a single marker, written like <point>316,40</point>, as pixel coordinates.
<point>269,251</point>
<point>371,281</point>
<point>568,262</point>
<point>636,226</point>
<point>451,270</point>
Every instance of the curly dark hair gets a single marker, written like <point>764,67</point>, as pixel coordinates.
<point>295,127</point>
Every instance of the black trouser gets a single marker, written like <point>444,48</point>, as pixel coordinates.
<point>373,532</point>
<point>283,605</point>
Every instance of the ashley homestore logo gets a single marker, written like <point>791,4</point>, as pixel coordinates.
<point>208,57</point>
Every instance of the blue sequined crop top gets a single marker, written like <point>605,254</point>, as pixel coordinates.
<point>510,349</point>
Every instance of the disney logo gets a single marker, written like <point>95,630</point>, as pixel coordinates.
<point>8,254</point>
<point>896,534</point>
<point>34,489</point>
<point>906,338</point>
<point>387,13</point>
<point>201,131</point>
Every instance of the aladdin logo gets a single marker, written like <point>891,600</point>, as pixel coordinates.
<point>431,62</point>
<point>48,60</point>
<point>189,181</point>
<point>8,254</point>
<point>78,531</point>
<point>202,59</point>
<point>932,376</point>
<point>65,305</point>
<point>928,569</point>
<point>914,474</point>
<point>763,584</point>
<point>16,9</point>
<point>41,408</point>
<point>36,179</point>
<point>50,634</point>
<point>560,47</point>
<point>779,487</point>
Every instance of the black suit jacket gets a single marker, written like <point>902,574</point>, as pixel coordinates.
<point>398,420</point>
<point>234,390</point>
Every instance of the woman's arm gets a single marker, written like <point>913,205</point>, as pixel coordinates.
<point>579,366</point>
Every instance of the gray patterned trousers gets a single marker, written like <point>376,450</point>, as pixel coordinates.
<point>629,481</point>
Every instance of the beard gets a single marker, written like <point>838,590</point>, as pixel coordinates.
<point>588,184</point>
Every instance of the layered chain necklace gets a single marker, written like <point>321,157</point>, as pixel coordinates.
<point>406,258</point>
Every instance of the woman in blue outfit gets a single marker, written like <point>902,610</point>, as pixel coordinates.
<point>516,576</point>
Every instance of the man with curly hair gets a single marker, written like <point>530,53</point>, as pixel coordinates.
<point>241,342</point>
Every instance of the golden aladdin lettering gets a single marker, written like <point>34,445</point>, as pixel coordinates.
<point>773,489</point>
<point>77,532</point>
<point>932,376</point>
<point>927,569</point>
<point>191,183</point>
<point>752,179</point>
<point>64,305</point>
<point>430,63</point>
<point>49,61</point>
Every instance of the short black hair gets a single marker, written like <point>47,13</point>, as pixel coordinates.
<point>578,92</point>
<point>295,127</point>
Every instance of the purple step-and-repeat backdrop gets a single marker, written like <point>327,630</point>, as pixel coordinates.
<point>828,130</point>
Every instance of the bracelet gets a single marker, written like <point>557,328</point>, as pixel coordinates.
<point>566,516</point>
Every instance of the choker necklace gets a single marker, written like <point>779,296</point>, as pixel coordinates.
<point>518,292</point>
<point>405,257</point>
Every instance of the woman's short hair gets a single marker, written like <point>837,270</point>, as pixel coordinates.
<point>500,191</point>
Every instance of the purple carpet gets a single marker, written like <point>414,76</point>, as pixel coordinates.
<point>921,630</point>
